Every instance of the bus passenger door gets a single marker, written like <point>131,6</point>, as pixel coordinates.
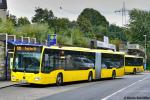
<point>10,63</point>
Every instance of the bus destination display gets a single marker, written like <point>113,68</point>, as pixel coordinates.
<point>28,48</point>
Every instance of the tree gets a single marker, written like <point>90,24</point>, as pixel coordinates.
<point>100,31</point>
<point>115,32</point>
<point>42,15</point>
<point>23,21</point>
<point>139,26</point>
<point>7,27</point>
<point>13,19</point>
<point>84,25</point>
<point>90,21</point>
<point>94,17</point>
<point>61,24</point>
<point>39,31</point>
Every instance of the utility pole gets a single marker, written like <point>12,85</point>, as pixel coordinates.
<point>123,10</point>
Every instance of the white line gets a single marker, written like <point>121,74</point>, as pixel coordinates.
<point>105,98</point>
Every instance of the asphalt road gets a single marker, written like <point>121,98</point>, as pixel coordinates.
<point>130,87</point>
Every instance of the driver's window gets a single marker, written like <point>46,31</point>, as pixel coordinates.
<point>46,58</point>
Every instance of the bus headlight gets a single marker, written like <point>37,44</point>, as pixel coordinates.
<point>37,78</point>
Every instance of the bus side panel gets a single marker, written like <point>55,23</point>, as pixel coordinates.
<point>76,75</point>
<point>50,78</point>
<point>129,69</point>
<point>139,68</point>
<point>120,72</point>
<point>98,66</point>
<point>106,73</point>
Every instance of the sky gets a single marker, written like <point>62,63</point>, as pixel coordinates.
<point>72,8</point>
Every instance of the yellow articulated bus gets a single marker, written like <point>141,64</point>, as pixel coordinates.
<point>56,65</point>
<point>133,64</point>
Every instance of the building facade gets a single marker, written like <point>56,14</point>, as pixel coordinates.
<point>3,9</point>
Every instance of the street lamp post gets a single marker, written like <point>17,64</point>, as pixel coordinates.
<point>145,52</point>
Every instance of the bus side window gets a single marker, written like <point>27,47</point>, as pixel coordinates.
<point>103,65</point>
<point>69,62</point>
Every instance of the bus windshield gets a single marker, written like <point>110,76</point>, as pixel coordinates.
<point>27,62</point>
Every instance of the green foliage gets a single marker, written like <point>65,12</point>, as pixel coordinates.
<point>39,31</point>
<point>73,24</point>
<point>100,31</point>
<point>78,39</point>
<point>13,19</point>
<point>116,42</point>
<point>139,26</point>
<point>84,24</point>
<point>42,15</point>
<point>115,32</point>
<point>92,23</point>
<point>7,27</point>
<point>23,21</point>
<point>0,20</point>
<point>61,24</point>
<point>94,17</point>
<point>47,16</point>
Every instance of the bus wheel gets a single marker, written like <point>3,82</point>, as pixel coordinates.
<point>59,80</point>
<point>90,77</point>
<point>113,75</point>
<point>134,71</point>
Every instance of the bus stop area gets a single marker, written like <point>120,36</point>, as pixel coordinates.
<point>7,44</point>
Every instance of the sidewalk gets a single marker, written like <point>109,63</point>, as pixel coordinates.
<point>147,71</point>
<point>4,84</point>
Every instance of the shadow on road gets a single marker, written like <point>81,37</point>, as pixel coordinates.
<point>134,74</point>
<point>65,84</point>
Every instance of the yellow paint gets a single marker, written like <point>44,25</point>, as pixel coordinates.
<point>107,73</point>
<point>68,75</point>
<point>50,78</point>
<point>129,69</point>
<point>120,72</point>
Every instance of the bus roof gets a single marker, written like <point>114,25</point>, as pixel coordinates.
<point>68,48</point>
<point>133,56</point>
<point>84,49</point>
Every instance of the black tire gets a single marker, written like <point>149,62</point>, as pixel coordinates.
<point>59,80</point>
<point>134,71</point>
<point>113,75</point>
<point>90,77</point>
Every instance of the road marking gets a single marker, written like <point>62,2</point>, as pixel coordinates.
<point>107,97</point>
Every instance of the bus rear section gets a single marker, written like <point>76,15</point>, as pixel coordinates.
<point>112,65</point>
<point>133,64</point>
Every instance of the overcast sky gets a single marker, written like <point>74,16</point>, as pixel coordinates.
<point>72,8</point>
